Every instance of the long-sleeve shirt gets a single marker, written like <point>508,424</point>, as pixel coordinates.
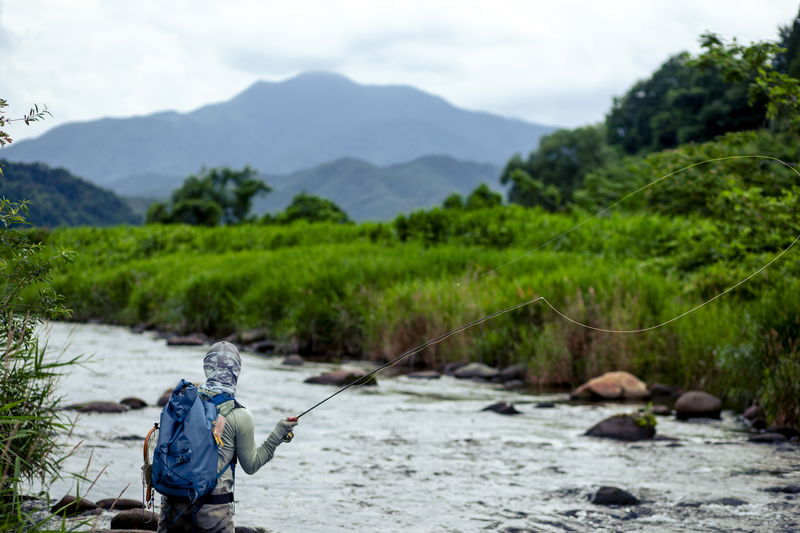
<point>238,437</point>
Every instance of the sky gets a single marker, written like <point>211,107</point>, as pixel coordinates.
<point>558,63</point>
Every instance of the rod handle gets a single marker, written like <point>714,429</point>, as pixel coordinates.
<point>289,436</point>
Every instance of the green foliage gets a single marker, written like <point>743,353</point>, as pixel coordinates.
<point>214,196</point>
<point>788,60</point>
<point>680,103</point>
<point>35,114</point>
<point>481,198</point>
<point>57,198</point>
<point>309,208</point>
<point>28,413</point>
<point>550,175</point>
<point>753,65</point>
<point>454,201</point>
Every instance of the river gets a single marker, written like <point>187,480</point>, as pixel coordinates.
<point>419,455</point>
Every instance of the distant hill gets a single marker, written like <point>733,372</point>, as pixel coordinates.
<point>369,192</point>
<point>57,198</point>
<point>277,128</point>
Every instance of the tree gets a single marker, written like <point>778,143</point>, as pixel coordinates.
<point>788,60</point>
<point>679,103</point>
<point>454,201</point>
<point>310,208</point>
<point>753,65</point>
<point>214,196</point>
<point>552,173</point>
<point>483,197</point>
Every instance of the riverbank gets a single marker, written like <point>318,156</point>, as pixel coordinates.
<point>421,455</point>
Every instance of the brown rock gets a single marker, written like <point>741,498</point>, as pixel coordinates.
<point>164,398</point>
<point>293,360</point>
<point>135,519</point>
<point>133,403</point>
<point>697,404</point>
<point>476,371</point>
<point>70,505</point>
<point>121,504</point>
<point>98,407</point>
<point>514,372</point>
<point>503,408</point>
<point>341,378</point>
<point>768,438</point>
<point>250,336</point>
<point>262,347</point>
<point>666,393</point>
<point>424,374</point>
<point>753,412</point>
<point>195,339</point>
<point>622,427</point>
<point>661,410</point>
<point>612,386</point>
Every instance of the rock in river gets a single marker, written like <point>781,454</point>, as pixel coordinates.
<point>341,378</point>
<point>424,374</point>
<point>133,403</point>
<point>612,386</point>
<point>623,427</point>
<point>768,438</point>
<point>70,505</point>
<point>195,339</point>
<point>503,408</point>
<point>98,407</point>
<point>135,519</point>
<point>614,496</point>
<point>293,360</point>
<point>475,370</point>
<point>119,504</point>
<point>697,404</point>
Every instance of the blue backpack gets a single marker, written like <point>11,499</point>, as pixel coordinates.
<point>186,455</point>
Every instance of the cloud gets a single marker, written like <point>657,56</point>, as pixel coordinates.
<point>554,62</point>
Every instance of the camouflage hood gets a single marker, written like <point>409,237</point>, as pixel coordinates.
<point>222,365</point>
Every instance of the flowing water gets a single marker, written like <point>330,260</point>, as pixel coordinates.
<point>414,455</point>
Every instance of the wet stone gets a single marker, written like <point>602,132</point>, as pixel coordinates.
<point>70,505</point>
<point>293,360</point>
<point>545,405</point>
<point>424,374</point>
<point>787,489</point>
<point>767,438</point>
<point>503,408</point>
<point>133,403</point>
<point>120,504</point>
<point>614,496</point>
<point>475,370</point>
<point>661,410</point>
<point>622,427</point>
<point>697,404</point>
<point>195,339</point>
<point>135,519</point>
<point>730,502</point>
<point>341,378</point>
<point>98,407</point>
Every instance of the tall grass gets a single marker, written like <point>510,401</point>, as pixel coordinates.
<point>375,290</point>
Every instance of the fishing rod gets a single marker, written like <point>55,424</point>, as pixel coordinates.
<point>436,340</point>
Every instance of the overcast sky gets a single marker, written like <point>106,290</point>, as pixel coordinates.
<point>552,62</point>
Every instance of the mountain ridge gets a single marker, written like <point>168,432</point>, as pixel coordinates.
<point>279,128</point>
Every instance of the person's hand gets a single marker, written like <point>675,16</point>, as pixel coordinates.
<point>283,428</point>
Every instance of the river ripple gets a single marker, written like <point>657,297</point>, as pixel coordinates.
<point>420,456</point>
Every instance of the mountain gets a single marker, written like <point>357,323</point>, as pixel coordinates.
<point>57,198</point>
<point>277,128</point>
<point>369,192</point>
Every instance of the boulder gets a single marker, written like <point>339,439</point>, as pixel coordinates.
<point>248,529</point>
<point>424,374</point>
<point>754,412</point>
<point>293,360</point>
<point>786,489</point>
<point>514,372</point>
<point>768,438</point>
<point>515,384</point>
<point>195,339</point>
<point>661,410</point>
<point>341,378</point>
<point>262,347</point>
<point>697,404</point>
<point>135,519</point>
<point>475,371</point>
<point>164,398</point>
<point>623,427</point>
<point>661,392</point>
<point>70,505</point>
<point>503,408</point>
<point>98,407</point>
<point>612,386</point>
<point>789,433</point>
<point>614,496</point>
<point>133,403</point>
<point>450,368</point>
<point>249,336</point>
<point>119,504</point>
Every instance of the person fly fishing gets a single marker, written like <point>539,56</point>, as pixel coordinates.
<point>230,429</point>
